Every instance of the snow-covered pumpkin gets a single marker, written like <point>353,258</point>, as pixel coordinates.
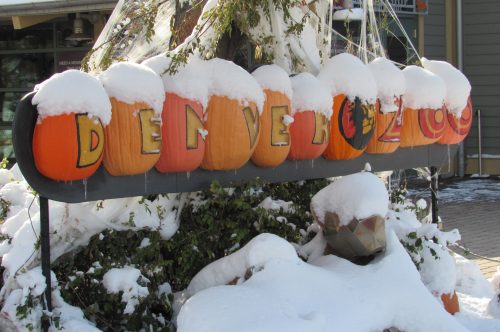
<point>232,116</point>
<point>274,140</point>
<point>351,213</point>
<point>354,118</point>
<point>458,113</point>
<point>424,113</point>
<point>457,127</point>
<point>183,134</point>
<point>391,86</point>
<point>310,130</point>
<point>68,139</point>
<point>133,137</point>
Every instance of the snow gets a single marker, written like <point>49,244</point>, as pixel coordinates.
<point>423,89</point>
<point>253,255</point>
<point>270,204</point>
<point>125,280</point>
<point>457,85</point>
<point>391,83</point>
<point>274,78</point>
<point>72,91</point>
<point>190,82</point>
<point>353,14</point>
<point>133,83</point>
<point>230,80</point>
<point>287,294</point>
<point>200,79</point>
<point>309,94</point>
<point>346,74</point>
<point>359,196</point>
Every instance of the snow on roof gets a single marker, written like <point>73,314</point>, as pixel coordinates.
<point>423,88</point>
<point>390,83</point>
<point>359,195</point>
<point>457,85</point>
<point>230,80</point>
<point>346,74</point>
<point>273,77</point>
<point>309,94</point>
<point>331,295</point>
<point>72,91</point>
<point>131,83</point>
<point>189,82</point>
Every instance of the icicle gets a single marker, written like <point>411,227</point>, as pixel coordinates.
<point>145,182</point>
<point>188,175</point>
<point>85,189</point>
<point>312,163</point>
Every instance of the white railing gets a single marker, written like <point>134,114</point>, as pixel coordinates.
<point>401,6</point>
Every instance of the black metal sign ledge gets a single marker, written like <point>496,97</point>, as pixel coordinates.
<point>102,185</point>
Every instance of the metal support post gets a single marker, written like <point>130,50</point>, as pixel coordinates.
<point>479,144</point>
<point>45,256</point>
<point>434,200</point>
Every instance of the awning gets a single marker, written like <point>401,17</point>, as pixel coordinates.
<point>9,8</point>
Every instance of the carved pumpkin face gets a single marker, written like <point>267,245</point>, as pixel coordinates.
<point>457,128</point>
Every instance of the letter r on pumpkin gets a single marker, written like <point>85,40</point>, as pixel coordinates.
<point>253,124</point>
<point>150,132</point>
<point>90,135</point>
<point>279,131</point>
<point>322,130</point>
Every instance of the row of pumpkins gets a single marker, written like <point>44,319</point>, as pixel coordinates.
<point>70,140</point>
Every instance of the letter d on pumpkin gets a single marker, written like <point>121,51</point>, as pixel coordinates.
<point>90,134</point>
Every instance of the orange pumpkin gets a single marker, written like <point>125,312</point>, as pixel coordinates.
<point>274,141</point>
<point>352,126</point>
<point>310,133</point>
<point>388,130</point>
<point>183,142</point>
<point>422,126</point>
<point>133,139</point>
<point>456,129</point>
<point>450,303</point>
<point>68,147</point>
<point>233,133</point>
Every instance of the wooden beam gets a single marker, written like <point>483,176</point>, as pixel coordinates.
<point>21,22</point>
<point>420,35</point>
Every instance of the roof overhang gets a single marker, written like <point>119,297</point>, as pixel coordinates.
<point>11,8</point>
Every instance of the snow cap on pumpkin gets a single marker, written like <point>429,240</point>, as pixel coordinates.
<point>457,85</point>
<point>390,83</point>
<point>359,196</point>
<point>346,74</point>
<point>132,83</point>
<point>190,81</point>
<point>274,78</point>
<point>309,94</point>
<point>423,89</point>
<point>230,80</point>
<point>72,91</point>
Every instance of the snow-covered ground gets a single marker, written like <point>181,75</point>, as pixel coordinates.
<point>269,284</point>
<point>468,190</point>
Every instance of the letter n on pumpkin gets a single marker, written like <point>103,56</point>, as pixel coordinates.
<point>322,128</point>
<point>151,132</point>
<point>279,132</point>
<point>193,126</point>
<point>90,135</point>
<point>253,124</point>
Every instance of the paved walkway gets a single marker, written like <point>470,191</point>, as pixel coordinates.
<point>479,224</point>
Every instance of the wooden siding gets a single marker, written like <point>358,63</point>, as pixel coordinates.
<point>481,28</point>
<point>434,31</point>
